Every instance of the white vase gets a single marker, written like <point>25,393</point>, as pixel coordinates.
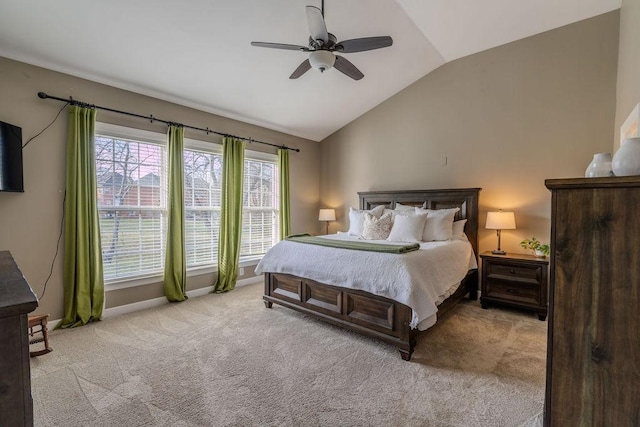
<point>599,166</point>
<point>626,161</point>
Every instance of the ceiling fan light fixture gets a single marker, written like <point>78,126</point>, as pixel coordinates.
<point>322,60</point>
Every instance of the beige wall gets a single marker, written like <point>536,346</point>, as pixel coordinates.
<point>628,91</point>
<point>30,221</point>
<point>506,119</point>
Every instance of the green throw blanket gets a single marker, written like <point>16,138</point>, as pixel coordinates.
<point>348,244</point>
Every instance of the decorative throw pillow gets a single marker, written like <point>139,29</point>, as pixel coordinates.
<point>439,224</point>
<point>356,219</point>
<point>458,230</point>
<point>376,228</point>
<point>408,228</point>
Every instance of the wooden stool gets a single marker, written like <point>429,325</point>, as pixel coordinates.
<point>34,321</point>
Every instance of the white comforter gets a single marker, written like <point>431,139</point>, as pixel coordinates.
<point>421,279</point>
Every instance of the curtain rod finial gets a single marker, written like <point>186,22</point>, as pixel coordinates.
<point>42,95</point>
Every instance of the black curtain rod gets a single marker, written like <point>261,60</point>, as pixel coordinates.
<point>72,101</point>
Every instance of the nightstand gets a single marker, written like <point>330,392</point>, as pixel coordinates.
<point>515,280</point>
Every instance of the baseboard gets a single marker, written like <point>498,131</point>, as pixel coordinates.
<point>156,302</point>
<point>52,324</point>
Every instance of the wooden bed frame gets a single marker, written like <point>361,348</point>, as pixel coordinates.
<point>369,314</point>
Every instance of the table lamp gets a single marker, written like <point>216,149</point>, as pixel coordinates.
<point>500,221</point>
<point>327,215</point>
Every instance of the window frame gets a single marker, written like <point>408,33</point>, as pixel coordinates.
<point>262,156</point>
<point>147,137</point>
<point>157,138</point>
<point>212,148</point>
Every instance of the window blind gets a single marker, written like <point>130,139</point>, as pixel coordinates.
<point>132,193</point>
<point>203,175</point>
<point>260,206</point>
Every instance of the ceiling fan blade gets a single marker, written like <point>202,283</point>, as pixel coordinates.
<point>346,67</point>
<point>302,68</point>
<point>317,27</point>
<point>280,46</point>
<point>365,43</point>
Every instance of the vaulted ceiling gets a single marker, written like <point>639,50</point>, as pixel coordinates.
<point>197,52</point>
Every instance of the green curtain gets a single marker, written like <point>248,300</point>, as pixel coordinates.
<point>230,214</point>
<point>175,264</point>
<point>285,215</point>
<point>82,280</point>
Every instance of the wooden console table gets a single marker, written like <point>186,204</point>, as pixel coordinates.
<point>16,301</point>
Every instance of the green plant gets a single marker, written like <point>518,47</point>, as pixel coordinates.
<point>535,245</point>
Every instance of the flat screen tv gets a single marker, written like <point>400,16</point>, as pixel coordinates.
<point>10,158</point>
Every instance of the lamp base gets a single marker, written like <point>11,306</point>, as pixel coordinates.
<point>498,252</point>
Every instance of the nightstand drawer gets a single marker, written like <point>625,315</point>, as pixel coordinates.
<point>507,272</point>
<point>517,291</point>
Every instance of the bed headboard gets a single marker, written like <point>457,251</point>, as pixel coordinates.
<point>464,198</point>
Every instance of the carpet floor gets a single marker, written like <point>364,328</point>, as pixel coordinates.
<point>226,360</point>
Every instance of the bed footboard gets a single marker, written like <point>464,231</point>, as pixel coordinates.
<point>359,311</point>
<point>355,310</point>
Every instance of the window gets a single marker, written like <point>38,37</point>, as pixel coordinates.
<point>132,194</point>
<point>202,182</point>
<point>260,211</point>
<point>131,168</point>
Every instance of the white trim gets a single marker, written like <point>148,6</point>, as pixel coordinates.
<point>201,270</point>
<point>261,156</point>
<point>249,281</point>
<point>52,324</point>
<point>132,283</point>
<point>130,134</point>
<point>250,260</point>
<point>632,121</point>
<point>203,146</point>
<point>216,148</point>
<point>157,302</point>
<point>158,278</point>
<point>136,306</point>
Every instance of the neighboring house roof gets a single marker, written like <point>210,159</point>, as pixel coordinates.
<point>110,179</point>
<point>198,183</point>
<point>149,180</point>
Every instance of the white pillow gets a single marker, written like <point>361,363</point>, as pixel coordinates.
<point>401,207</point>
<point>458,230</point>
<point>376,228</point>
<point>356,219</point>
<point>399,212</point>
<point>439,224</point>
<point>408,228</point>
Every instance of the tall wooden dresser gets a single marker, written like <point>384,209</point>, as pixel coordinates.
<point>16,301</point>
<point>593,351</point>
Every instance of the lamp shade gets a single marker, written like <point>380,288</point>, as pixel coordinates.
<point>501,221</point>
<point>327,215</point>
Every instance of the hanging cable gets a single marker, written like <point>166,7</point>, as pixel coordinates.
<point>44,288</point>
<point>47,127</point>
<point>72,101</point>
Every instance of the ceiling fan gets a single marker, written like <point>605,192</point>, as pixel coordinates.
<point>323,45</point>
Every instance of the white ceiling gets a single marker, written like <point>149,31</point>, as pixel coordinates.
<point>197,52</point>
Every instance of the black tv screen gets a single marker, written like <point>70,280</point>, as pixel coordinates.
<point>10,158</point>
